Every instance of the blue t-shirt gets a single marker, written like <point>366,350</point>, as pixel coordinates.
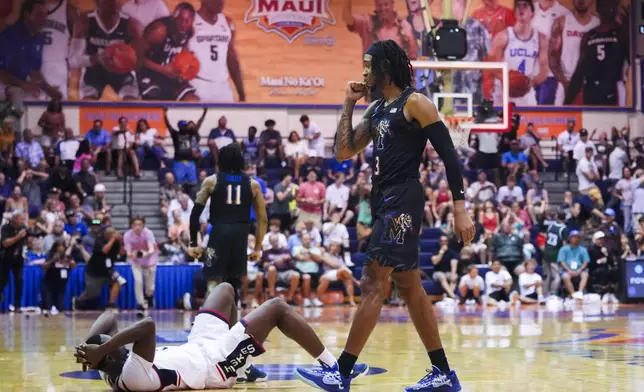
<point>99,139</point>
<point>78,228</point>
<point>344,166</point>
<point>262,184</point>
<point>20,52</point>
<point>509,158</point>
<point>573,257</point>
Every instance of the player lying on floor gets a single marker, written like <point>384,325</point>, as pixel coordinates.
<point>216,354</point>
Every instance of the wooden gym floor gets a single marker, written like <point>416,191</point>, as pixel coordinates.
<point>590,349</point>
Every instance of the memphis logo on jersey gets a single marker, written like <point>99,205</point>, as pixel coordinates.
<point>290,18</point>
<point>396,227</point>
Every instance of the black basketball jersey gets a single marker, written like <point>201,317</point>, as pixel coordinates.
<point>556,234</point>
<point>231,200</point>
<point>398,144</point>
<point>173,44</point>
<point>604,57</point>
<point>99,38</point>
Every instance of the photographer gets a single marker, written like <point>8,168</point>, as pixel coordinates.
<point>141,249</point>
<point>56,273</point>
<point>14,236</point>
<point>100,271</point>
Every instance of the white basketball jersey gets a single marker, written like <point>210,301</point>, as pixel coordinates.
<point>522,55</point>
<point>56,34</point>
<point>186,359</point>
<point>210,45</point>
<point>543,19</point>
<point>571,41</point>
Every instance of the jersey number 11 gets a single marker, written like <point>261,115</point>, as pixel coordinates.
<point>233,193</point>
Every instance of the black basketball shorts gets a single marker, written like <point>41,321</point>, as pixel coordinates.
<point>397,218</point>
<point>225,256</point>
<point>157,87</point>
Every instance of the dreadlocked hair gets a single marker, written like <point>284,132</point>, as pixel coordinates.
<point>394,63</point>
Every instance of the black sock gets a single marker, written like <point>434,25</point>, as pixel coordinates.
<point>438,359</point>
<point>346,363</point>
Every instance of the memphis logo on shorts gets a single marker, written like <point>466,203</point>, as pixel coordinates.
<point>396,227</point>
<point>290,18</point>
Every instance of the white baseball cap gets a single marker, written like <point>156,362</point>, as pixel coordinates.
<point>99,188</point>
<point>598,235</point>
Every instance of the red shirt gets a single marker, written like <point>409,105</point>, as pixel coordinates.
<point>495,19</point>
<point>314,191</point>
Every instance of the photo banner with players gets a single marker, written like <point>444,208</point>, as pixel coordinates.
<point>571,52</point>
<point>548,124</point>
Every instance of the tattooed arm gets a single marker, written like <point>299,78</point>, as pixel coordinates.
<point>554,51</point>
<point>350,140</point>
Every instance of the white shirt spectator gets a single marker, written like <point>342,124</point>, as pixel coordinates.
<point>585,166</point>
<point>145,11</point>
<point>616,161</point>
<point>528,279</point>
<point>67,149</point>
<point>316,145</point>
<point>568,140</point>
<point>335,232</point>
<point>469,282</point>
<point>627,188</point>
<point>492,277</point>
<point>638,200</point>
<point>185,214</point>
<point>514,194</point>
<point>580,149</point>
<point>316,237</point>
<point>297,149</point>
<point>485,194</point>
<point>147,137</point>
<point>337,196</point>
<point>119,139</point>
<point>282,242</point>
<point>488,142</point>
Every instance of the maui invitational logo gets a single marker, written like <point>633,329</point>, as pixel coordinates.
<point>290,18</point>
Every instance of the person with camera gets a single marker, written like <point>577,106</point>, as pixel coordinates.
<point>141,249</point>
<point>56,273</point>
<point>100,271</point>
<point>14,237</point>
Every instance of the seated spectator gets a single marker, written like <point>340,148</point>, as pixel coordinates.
<point>66,150</point>
<point>75,226</point>
<point>147,141</point>
<point>335,231</point>
<point>280,208</point>
<point>510,192</point>
<point>270,145</point>
<point>86,181</point>
<point>447,227</point>
<point>280,269</point>
<point>628,252</point>
<point>316,235</point>
<point>482,190</point>
<point>32,183</point>
<point>579,151</point>
<point>518,217</point>
<point>250,146</point>
<point>178,226</point>
<point>100,202</point>
<point>176,249</point>
<point>612,232</point>
<point>274,229</point>
<point>52,123</point>
<point>167,193</point>
<point>308,258</point>
<point>515,162</point>
<point>313,135</point>
<point>16,203</point>
<point>57,233</point>
<point>29,149</point>
<point>337,198</point>
<point>587,175</point>
<point>83,153</point>
<point>311,163</point>
<point>296,151</point>
<point>603,269</point>
<point>61,179</point>
<point>442,202</point>
<point>123,144</point>
<point>100,142</point>
<point>184,205</point>
<point>344,167</point>
<point>49,215</point>
<point>295,239</point>
<point>574,260</point>
<point>436,174</point>
<point>445,267</point>
<point>530,144</point>
<point>310,198</point>
<point>530,285</point>
<point>219,138</point>
<point>470,286</point>
<point>5,190</point>
<point>537,202</point>
<point>334,269</point>
<point>364,219</point>
<point>83,212</point>
<point>35,253</point>
<point>489,218</point>
<point>507,247</point>
<point>57,269</point>
<point>7,141</point>
<point>498,283</point>
<point>142,254</point>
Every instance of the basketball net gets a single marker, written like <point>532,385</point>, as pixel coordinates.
<point>460,134</point>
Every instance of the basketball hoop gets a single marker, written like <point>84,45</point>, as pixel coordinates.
<point>459,129</point>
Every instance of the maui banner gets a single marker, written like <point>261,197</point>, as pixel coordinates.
<point>305,51</point>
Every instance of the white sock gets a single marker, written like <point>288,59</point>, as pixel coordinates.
<point>327,358</point>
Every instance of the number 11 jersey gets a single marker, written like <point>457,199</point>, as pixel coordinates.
<point>231,200</point>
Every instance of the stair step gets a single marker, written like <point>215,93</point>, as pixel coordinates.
<point>136,197</point>
<point>136,187</point>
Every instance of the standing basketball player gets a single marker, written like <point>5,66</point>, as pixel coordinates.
<point>231,193</point>
<point>565,44</point>
<point>545,14</point>
<point>524,49</point>
<point>399,124</point>
<point>556,234</point>
<point>61,16</point>
<point>164,39</point>
<point>93,33</point>
<point>604,58</point>
<point>214,45</point>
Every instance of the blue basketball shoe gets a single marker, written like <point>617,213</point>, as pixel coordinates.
<point>437,381</point>
<point>325,378</point>
<point>359,370</point>
<point>252,374</point>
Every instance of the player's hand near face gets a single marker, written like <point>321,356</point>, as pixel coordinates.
<point>356,90</point>
<point>89,355</point>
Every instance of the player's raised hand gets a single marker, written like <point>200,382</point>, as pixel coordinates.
<point>463,226</point>
<point>356,90</point>
<point>195,253</point>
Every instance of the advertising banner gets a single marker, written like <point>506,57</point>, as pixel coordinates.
<point>305,51</point>
<point>548,124</point>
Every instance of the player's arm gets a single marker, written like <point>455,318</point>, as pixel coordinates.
<point>136,31</point>
<point>72,16</point>
<point>577,79</point>
<point>497,47</point>
<point>78,57</point>
<point>200,121</point>
<point>167,121</point>
<point>350,140</point>
<point>542,61</point>
<point>260,213</point>
<point>234,67</point>
<point>106,324</point>
<point>203,195</point>
<point>554,50</point>
<point>347,13</point>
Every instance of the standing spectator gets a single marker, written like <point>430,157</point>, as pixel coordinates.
<point>52,123</point>
<point>579,151</point>
<point>334,270</point>
<point>624,191</point>
<point>514,161</point>
<point>270,145</point>
<point>510,192</point>
<point>612,232</point>
<point>313,134</point>
<point>85,180</point>
<point>482,190</point>
<point>14,237</point>
<point>274,229</point>
<point>167,193</point>
<point>345,167</point>
<point>283,195</point>
<point>617,161</point>
<point>498,283</point>
<point>471,285</point>
<point>66,150</point>
<point>566,142</point>
<point>603,269</point>
<point>250,146</point>
<point>487,156</point>
<point>146,142</point>
<point>574,259</point>
<point>141,248</point>
<point>219,138</point>
<point>29,149</point>
<point>32,183</point>
<point>123,145</point>
<point>57,269</point>
<point>185,169</point>
<point>7,141</point>
<point>279,267</point>
<point>445,267</point>
<point>5,190</point>
<point>296,151</point>
<point>310,199</point>
<point>507,247</point>
<point>587,174</point>
<point>308,258</point>
<point>100,142</point>
<point>530,285</point>
<point>337,198</point>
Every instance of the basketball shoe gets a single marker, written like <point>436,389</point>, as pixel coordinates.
<point>251,375</point>
<point>436,381</point>
<point>329,378</point>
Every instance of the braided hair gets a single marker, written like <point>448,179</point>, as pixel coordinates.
<point>388,58</point>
